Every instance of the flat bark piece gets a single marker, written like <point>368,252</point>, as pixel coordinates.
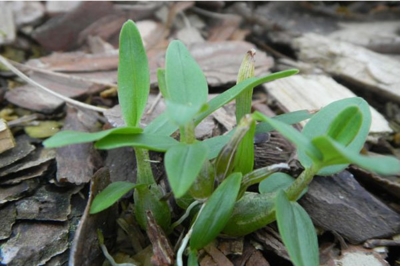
<point>12,193</point>
<point>38,157</point>
<point>32,98</point>
<point>257,259</point>
<point>271,240</point>
<point>340,204</point>
<point>358,65</point>
<point>163,253</point>
<point>85,248</point>
<point>358,256</point>
<point>59,7</point>
<point>63,31</point>
<point>314,92</point>
<point>49,203</point>
<point>220,61</point>
<point>77,62</point>
<point>122,164</point>
<point>7,140</point>
<point>217,255</point>
<point>379,36</point>
<point>30,173</point>
<point>8,217</point>
<point>27,13</point>
<point>76,163</point>
<point>231,246</point>
<point>20,151</point>
<point>7,24</point>
<point>34,243</point>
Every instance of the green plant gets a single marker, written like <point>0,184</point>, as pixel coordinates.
<point>211,173</point>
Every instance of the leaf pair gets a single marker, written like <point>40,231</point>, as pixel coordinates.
<point>333,138</point>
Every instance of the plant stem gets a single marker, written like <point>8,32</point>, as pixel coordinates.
<point>187,133</point>
<point>144,172</point>
<point>305,178</point>
<point>185,240</point>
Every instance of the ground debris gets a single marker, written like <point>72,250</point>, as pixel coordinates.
<point>85,248</point>
<point>49,203</point>
<point>312,92</point>
<point>341,205</point>
<point>354,64</point>
<point>7,141</point>
<point>12,193</point>
<point>34,243</point>
<point>32,98</point>
<point>21,150</point>
<point>8,217</point>
<point>76,163</point>
<point>38,157</point>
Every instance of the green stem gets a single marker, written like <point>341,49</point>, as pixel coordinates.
<point>188,133</point>
<point>305,178</point>
<point>144,172</point>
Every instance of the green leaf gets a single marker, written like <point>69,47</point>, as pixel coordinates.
<point>133,74</point>
<point>321,122</point>
<point>252,212</point>
<point>225,160</point>
<point>146,141</point>
<point>68,137</point>
<point>297,231</point>
<point>111,194</point>
<point>183,164</point>
<point>345,126</point>
<point>301,142</point>
<point>215,144</point>
<point>260,175</point>
<point>382,165</point>
<point>186,83</point>
<point>288,118</point>
<point>162,85</point>
<point>150,198</point>
<point>216,212</point>
<point>181,114</point>
<point>275,182</point>
<point>244,158</point>
<point>227,96</point>
<point>161,125</point>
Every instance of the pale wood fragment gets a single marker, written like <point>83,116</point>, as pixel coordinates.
<point>7,140</point>
<point>379,36</point>
<point>355,64</point>
<point>7,24</point>
<point>313,92</point>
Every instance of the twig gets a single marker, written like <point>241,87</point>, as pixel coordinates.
<point>155,103</point>
<point>34,83</point>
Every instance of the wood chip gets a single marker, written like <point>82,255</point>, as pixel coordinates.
<point>313,92</point>
<point>63,31</point>
<point>76,163</point>
<point>20,151</point>
<point>7,140</point>
<point>12,193</point>
<point>340,204</point>
<point>7,24</point>
<point>8,217</point>
<point>49,203</point>
<point>379,36</point>
<point>32,98</point>
<point>40,156</point>
<point>163,253</point>
<point>34,243</point>
<point>85,248</point>
<point>355,64</point>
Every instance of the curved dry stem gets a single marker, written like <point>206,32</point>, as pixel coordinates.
<point>5,62</point>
